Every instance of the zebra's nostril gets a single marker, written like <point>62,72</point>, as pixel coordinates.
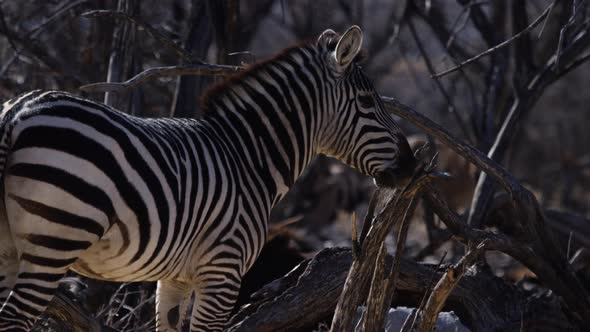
<point>173,315</point>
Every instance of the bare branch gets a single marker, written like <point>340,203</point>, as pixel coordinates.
<point>399,205</point>
<point>564,30</point>
<point>427,317</point>
<point>451,106</point>
<point>374,316</point>
<point>181,51</point>
<point>198,39</point>
<point>73,315</point>
<point>521,105</point>
<point>523,48</point>
<point>465,150</point>
<point>121,55</point>
<point>573,65</point>
<point>435,18</point>
<point>4,28</point>
<point>384,281</point>
<point>27,43</point>
<point>499,46</point>
<point>461,21</point>
<point>151,73</point>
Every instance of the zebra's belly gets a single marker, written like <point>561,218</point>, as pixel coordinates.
<point>103,259</point>
<point>108,259</point>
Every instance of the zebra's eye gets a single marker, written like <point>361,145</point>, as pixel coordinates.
<point>366,101</point>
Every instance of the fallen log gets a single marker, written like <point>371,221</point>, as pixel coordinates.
<point>309,294</point>
<point>73,315</point>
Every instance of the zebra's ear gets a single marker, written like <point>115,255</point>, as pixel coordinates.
<point>327,37</point>
<point>349,46</point>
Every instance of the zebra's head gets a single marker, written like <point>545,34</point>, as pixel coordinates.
<point>360,132</point>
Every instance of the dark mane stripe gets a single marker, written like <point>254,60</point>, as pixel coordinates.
<point>219,90</point>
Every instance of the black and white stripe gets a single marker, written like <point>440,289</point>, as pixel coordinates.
<point>181,201</point>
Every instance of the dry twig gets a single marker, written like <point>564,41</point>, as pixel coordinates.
<point>151,73</point>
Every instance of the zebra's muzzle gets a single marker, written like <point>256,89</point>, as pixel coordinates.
<point>399,175</point>
<point>390,178</point>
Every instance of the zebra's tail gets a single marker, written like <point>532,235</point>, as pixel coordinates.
<point>6,125</point>
<point>5,139</point>
<point>8,115</point>
<point>8,118</point>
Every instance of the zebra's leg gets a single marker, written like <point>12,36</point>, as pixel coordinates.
<point>33,289</point>
<point>171,304</point>
<point>46,250</point>
<point>213,303</point>
<point>8,270</point>
<point>8,257</point>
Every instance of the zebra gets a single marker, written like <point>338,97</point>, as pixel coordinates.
<point>183,202</point>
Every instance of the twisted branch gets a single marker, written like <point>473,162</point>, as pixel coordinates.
<point>151,73</point>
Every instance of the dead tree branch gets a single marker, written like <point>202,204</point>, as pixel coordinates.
<point>468,152</point>
<point>426,318</point>
<point>505,43</point>
<point>121,55</point>
<point>198,38</point>
<point>385,281</point>
<point>522,104</point>
<point>400,205</point>
<point>374,316</point>
<point>435,17</point>
<point>181,51</point>
<point>450,104</point>
<point>27,40</point>
<point>151,73</point>
<point>73,315</point>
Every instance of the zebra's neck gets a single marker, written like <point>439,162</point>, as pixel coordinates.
<point>271,114</point>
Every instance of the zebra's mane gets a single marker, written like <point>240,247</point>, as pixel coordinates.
<point>219,90</point>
